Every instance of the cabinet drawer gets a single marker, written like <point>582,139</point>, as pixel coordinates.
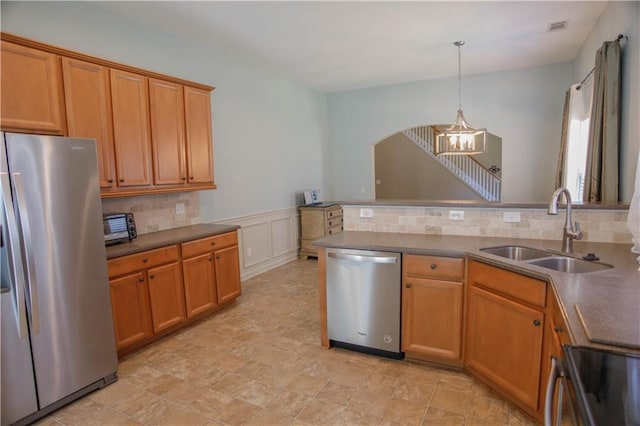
<point>509,283</point>
<point>203,245</point>
<point>335,230</point>
<point>334,222</point>
<point>447,268</point>
<point>138,261</point>
<point>333,213</point>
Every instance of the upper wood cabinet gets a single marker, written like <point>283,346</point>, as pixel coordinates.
<point>197,110</point>
<point>166,106</point>
<point>32,98</point>
<point>153,131</point>
<point>88,105</point>
<point>131,128</point>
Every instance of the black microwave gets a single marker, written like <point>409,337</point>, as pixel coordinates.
<point>118,227</point>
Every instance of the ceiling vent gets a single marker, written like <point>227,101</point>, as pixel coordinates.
<point>557,26</point>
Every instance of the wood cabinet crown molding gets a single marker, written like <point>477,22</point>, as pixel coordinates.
<point>99,61</point>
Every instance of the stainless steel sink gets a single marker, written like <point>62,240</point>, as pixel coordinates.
<point>517,252</point>
<point>569,265</point>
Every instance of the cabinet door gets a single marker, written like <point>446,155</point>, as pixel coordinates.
<point>131,313</point>
<point>199,284</point>
<point>432,317</point>
<point>197,109</point>
<point>504,344</point>
<point>31,86</point>
<point>227,267</point>
<point>166,108</point>
<point>166,294</point>
<point>131,128</point>
<point>88,105</point>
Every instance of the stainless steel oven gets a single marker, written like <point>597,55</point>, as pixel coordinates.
<point>593,387</point>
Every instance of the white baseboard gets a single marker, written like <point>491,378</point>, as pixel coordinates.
<point>267,240</point>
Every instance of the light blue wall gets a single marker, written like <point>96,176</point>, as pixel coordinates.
<point>523,107</point>
<point>619,17</point>
<point>269,133</point>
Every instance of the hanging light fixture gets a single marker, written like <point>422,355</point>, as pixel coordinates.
<point>461,138</point>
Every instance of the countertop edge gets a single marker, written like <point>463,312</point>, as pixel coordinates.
<point>154,240</point>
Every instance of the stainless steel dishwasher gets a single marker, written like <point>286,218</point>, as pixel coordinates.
<point>363,301</point>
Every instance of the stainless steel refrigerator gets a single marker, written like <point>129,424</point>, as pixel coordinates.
<point>57,341</point>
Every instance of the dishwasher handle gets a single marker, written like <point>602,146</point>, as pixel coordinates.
<point>363,258</point>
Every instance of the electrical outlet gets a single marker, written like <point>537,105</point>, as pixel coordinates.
<point>366,212</point>
<point>249,252</point>
<point>456,215</point>
<point>180,208</point>
<point>511,217</point>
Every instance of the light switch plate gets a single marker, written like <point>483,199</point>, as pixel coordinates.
<point>366,212</point>
<point>456,215</point>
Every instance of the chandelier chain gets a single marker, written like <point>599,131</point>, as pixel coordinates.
<point>459,77</point>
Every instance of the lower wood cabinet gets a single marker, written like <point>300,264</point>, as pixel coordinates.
<point>432,308</point>
<point>504,333</point>
<point>131,310</point>
<point>157,291</point>
<point>211,272</point>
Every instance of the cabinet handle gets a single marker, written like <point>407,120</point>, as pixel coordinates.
<point>210,259</point>
<point>557,329</point>
<point>145,260</point>
<point>151,276</point>
<point>190,177</point>
<point>330,214</point>
<point>408,285</point>
<point>141,280</point>
<point>110,181</point>
<point>213,243</point>
<point>218,257</point>
<point>434,266</point>
<point>330,232</point>
<point>121,180</point>
<point>184,178</point>
<point>536,322</point>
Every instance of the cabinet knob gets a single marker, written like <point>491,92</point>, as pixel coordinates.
<point>121,180</point>
<point>408,285</point>
<point>557,329</point>
<point>141,280</point>
<point>330,232</point>
<point>210,259</point>
<point>190,177</point>
<point>184,178</point>
<point>536,322</point>
<point>145,260</point>
<point>151,276</point>
<point>110,181</point>
<point>330,214</point>
<point>218,257</point>
<point>213,243</point>
<point>434,266</point>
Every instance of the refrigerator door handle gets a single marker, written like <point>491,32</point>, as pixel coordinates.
<point>13,247</point>
<point>28,250</point>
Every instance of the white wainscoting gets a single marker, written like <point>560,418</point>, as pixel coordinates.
<point>267,240</point>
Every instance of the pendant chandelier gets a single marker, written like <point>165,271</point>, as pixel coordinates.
<point>461,138</point>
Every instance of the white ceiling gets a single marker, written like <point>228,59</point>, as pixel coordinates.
<point>335,45</point>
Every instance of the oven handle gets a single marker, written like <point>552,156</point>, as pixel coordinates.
<point>362,258</point>
<point>556,371</point>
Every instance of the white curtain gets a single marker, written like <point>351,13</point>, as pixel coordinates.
<point>576,128</point>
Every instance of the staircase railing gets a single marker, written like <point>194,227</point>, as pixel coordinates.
<point>464,167</point>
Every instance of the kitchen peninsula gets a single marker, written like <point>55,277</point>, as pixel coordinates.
<point>595,309</point>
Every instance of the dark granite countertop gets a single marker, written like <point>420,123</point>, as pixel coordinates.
<point>608,298</point>
<point>165,238</point>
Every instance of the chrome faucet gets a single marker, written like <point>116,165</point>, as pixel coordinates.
<point>569,233</point>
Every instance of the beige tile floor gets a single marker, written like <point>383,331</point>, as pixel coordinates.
<point>259,362</point>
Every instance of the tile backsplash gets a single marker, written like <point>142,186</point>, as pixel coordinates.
<point>157,212</point>
<point>597,225</point>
